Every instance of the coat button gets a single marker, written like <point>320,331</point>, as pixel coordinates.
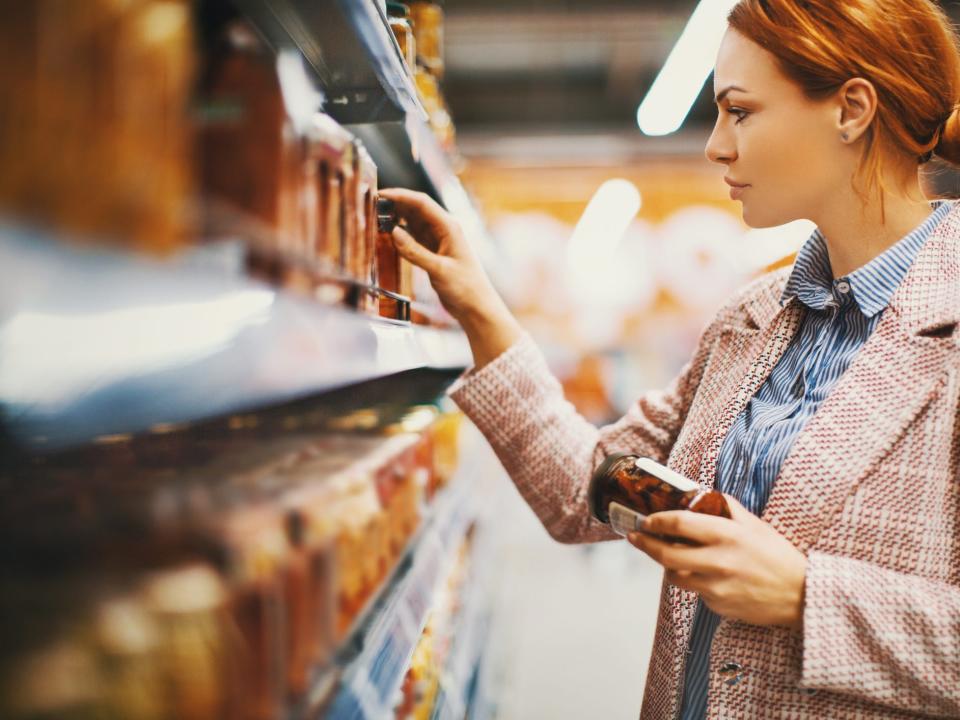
<point>731,672</point>
<point>809,692</point>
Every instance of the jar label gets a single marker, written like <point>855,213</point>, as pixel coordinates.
<point>667,475</point>
<point>623,520</point>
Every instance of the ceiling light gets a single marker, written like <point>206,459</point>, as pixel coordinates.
<point>687,68</point>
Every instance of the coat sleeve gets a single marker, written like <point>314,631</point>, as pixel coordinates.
<point>882,636</point>
<point>548,449</point>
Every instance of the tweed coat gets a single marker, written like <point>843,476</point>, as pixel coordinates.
<point>870,493</point>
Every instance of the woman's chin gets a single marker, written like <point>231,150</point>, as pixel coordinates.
<point>758,218</point>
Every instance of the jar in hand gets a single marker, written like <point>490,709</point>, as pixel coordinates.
<point>626,488</point>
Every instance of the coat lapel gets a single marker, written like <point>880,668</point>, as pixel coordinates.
<point>773,340</point>
<point>896,375</point>
<point>742,359</point>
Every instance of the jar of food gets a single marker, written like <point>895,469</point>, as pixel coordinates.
<point>399,16</point>
<point>119,170</point>
<point>251,160</point>
<point>128,639</point>
<point>427,16</point>
<point>186,605</point>
<point>255,541</point>
<point>331,149</point>
<point>626,488</point>
<point>394,274</point>
<point>364,251</point>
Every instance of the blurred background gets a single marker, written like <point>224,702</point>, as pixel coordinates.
<point>231,483</point>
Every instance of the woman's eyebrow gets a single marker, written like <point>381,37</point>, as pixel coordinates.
<point>723,93</point>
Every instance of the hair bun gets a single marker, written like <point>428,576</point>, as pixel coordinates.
<point>948,147</point>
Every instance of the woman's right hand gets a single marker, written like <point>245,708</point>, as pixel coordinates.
<point>434,241</point>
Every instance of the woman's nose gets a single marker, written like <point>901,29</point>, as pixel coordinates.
<point>719,149</point>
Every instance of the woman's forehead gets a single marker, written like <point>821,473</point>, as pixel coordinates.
<point>744,66</point>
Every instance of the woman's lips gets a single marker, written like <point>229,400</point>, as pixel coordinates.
<point>736,189</point>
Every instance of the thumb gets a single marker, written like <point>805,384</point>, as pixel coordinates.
<point>413,251</point>
<point>737,511</point>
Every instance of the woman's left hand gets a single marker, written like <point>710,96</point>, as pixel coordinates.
<point>741,567</point>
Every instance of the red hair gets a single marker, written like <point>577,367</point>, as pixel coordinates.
<point>906,48</point>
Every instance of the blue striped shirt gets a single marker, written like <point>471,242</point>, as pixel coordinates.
<point>841,314</point>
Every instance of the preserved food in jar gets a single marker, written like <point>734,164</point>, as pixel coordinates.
<point>399,16</point>
<point>95,136</point>
<point>626,488</point>
<point>427,19</point>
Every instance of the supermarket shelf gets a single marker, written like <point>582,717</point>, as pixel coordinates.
<point>457,680</point>
<point>357,62</point>
<point>376,655</point>
<point>103,342</point>
<point>351,49</point>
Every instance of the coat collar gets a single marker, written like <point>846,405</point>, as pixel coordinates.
<point>927,301</point>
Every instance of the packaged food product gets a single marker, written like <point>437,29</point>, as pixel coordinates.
<point>398,15</point>
<point>332,155</point>
<point>96,132</point>
<point>394,273</point>
<point>364,255</point>
<point>256,546</point>
<point>252,163</point>
<point>446,439</point>
<point>625,488</point>
<point>427,17</point>
<point>133,676</point>
<point>186,605</point>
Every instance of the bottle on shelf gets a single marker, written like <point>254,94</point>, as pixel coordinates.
<point>398,15</point>
<point>249,155</point>
<point>364,248</point>
<point>427,20</point>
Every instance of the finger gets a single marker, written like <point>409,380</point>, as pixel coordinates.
<point>701,529</point>
<point>737,511</point>
<point>674,556</point>
<point>411,250</point>
<point>419,206</point>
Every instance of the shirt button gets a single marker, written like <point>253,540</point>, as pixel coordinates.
<point>843,286</point>
<point>731,672</point>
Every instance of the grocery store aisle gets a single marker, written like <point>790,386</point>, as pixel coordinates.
<point>573,625</point>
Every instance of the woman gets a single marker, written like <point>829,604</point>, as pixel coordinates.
<point>822,399</point>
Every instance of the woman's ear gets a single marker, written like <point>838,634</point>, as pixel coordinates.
<point>857,105</point>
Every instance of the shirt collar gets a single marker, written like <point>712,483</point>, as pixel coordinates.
<point>870,286</point>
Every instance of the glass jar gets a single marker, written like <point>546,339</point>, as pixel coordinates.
<point>332,149</point>
<point>364,253</point>
<point>186,606</point>
<point>626,488</point>
<point>122,72</point>
<point>427,16</point>
<point>399,16</point>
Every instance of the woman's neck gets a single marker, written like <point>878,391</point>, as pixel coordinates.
<point>856,232</point>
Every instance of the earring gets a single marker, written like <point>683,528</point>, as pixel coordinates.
<point>845,137</point>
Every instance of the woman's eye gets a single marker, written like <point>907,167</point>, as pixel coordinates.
<point>739,113</point>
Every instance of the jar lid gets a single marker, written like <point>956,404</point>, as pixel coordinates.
<point>593,492</point>
<point>397,9</point>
